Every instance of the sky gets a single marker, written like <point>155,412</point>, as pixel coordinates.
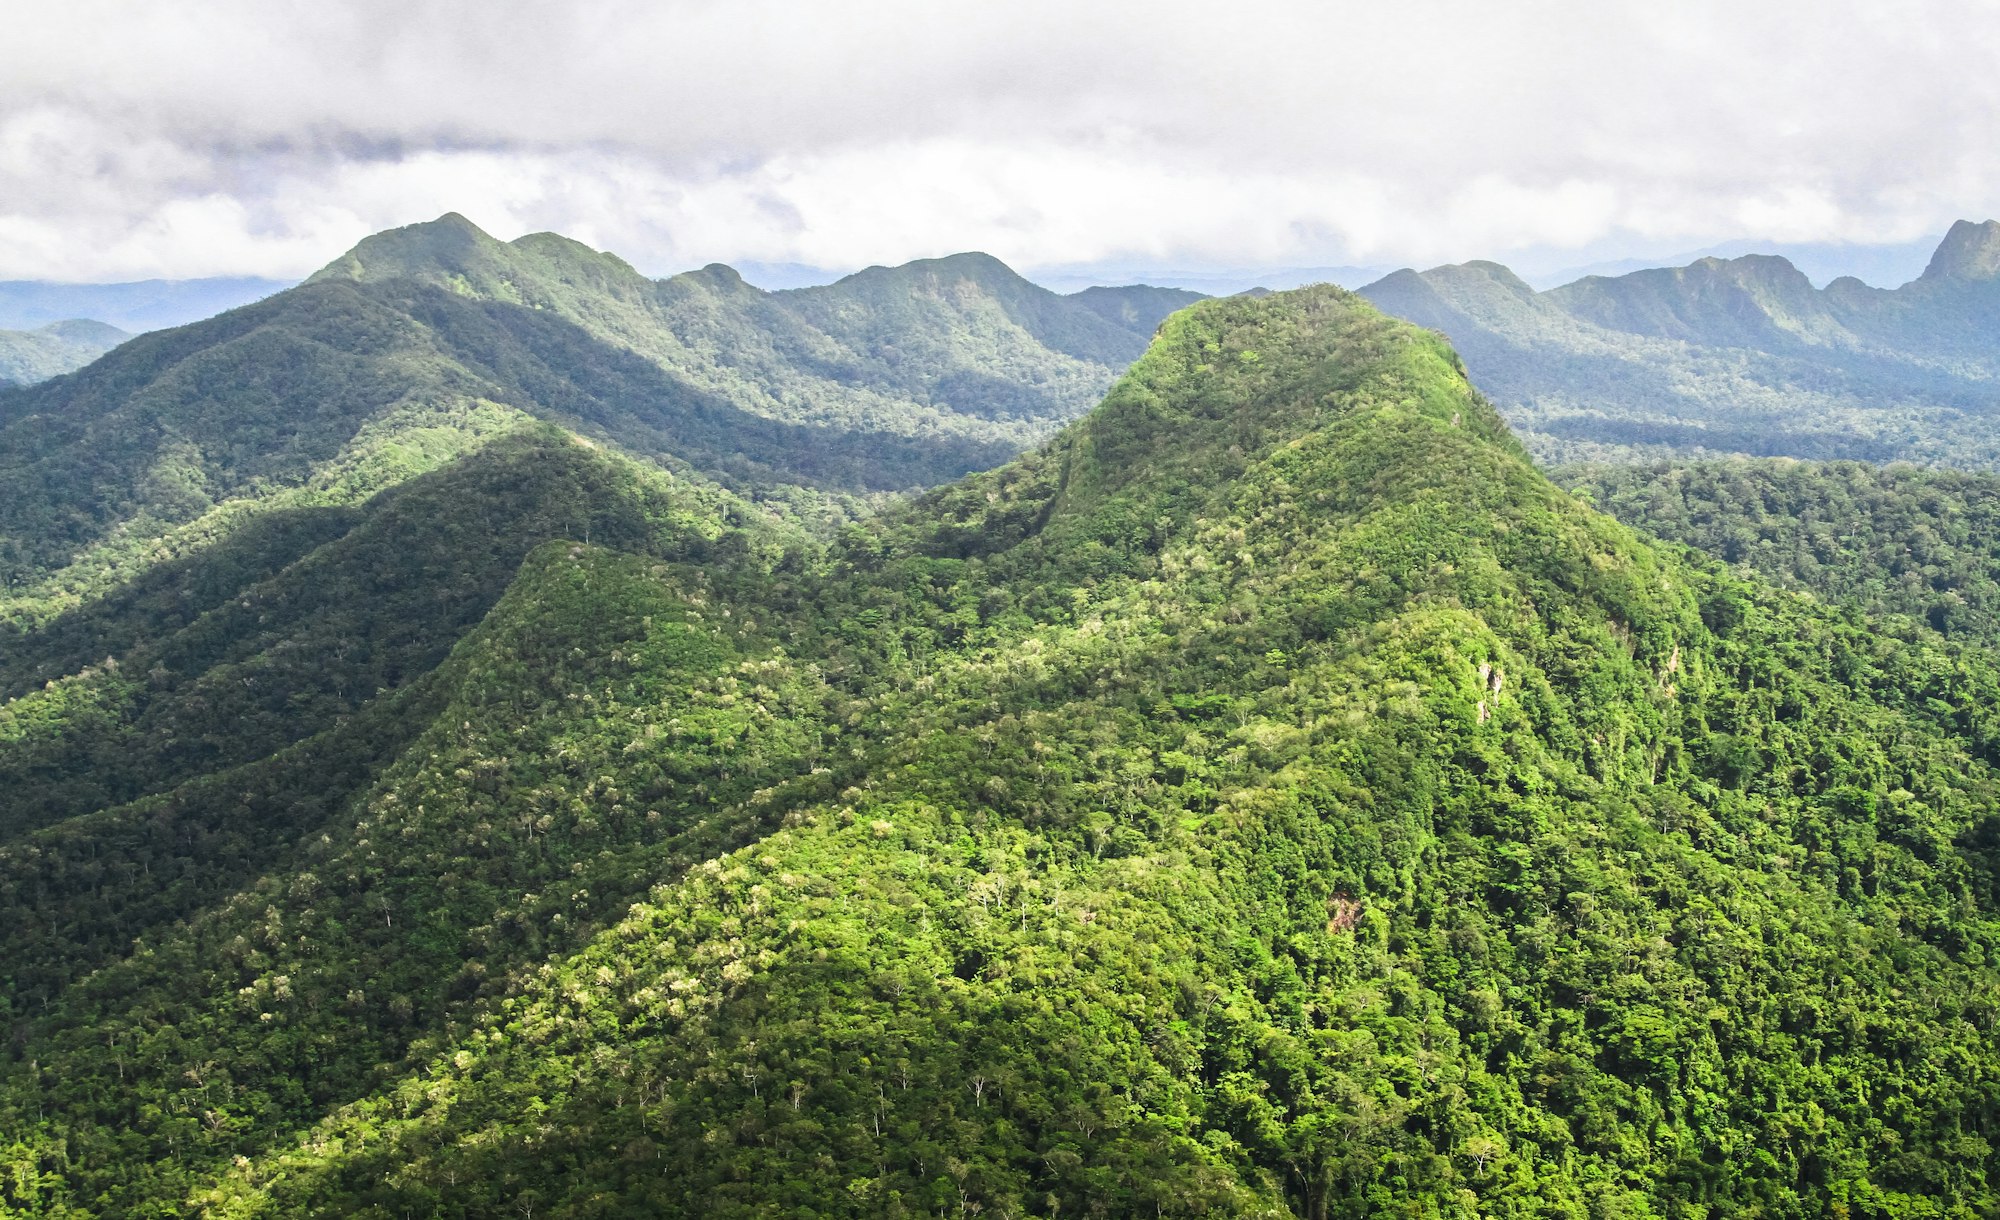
<point>184,138</point>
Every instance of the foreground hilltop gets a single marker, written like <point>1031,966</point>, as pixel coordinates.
<point>1270,797</point>
<point>1737,355</point>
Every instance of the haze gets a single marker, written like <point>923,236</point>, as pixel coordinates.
<point>238,138</point>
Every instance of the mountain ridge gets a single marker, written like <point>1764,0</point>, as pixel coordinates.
<point>1271,796</point>
<point>425,342</point>
<point>1969,252</point>
<point>1740,354</point>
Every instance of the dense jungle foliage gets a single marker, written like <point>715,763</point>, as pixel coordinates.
<point>1272,796</point>
<point>425,343</point>
<point>1886,540</point>
<point>1738,356</point>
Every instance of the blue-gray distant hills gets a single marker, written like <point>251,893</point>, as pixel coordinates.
<point>1737,355</point>
<point>139,306</point>
<point>28,356</point>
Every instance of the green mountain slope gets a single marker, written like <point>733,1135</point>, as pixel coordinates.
<point>1740,355</point>
<point>960,346</point>
<point>1271,797</point>
<point>1894,540</point>
<point>28,356</point>
<point>302,618</point>
<point>424,343</point>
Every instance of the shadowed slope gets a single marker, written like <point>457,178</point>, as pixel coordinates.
<point>1272,797</point>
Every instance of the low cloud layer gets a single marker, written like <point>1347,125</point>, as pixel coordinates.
<point>181,139</point>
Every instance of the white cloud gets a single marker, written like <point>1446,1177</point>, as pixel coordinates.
<point>253,136</point>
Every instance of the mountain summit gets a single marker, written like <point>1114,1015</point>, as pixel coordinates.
<point>48,351</point>
<point>1969,252</point>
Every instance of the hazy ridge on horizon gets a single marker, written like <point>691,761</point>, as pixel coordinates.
<point>139,306</point>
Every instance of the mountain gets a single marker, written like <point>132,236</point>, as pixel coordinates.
<point>1270,796</point>
<point>1210,281</point>
<point>1884,265</point>
<point>957,347</point>
<point>50,351</point>
<point>425,343</point>
<point>1740,355</point>
<point>139,306</point>
<point>1136,306</point>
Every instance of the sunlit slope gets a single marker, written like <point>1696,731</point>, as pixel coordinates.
<point>424,343</point>
<point>1272,797</point>
<point>952,347</point>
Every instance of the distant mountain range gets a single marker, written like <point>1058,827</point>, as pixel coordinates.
<point>424,343</point>
<point>1885,266</point>
<point>1210,281</point>
<point>139,306</point>
<point>1739,355</point>
<point>28,356</point>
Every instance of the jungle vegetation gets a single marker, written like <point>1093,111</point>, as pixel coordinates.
<point>1270,796</point>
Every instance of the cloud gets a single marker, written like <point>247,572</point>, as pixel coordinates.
<point>236,137</point>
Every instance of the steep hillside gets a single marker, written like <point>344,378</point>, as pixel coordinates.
<point>28,356</point>
<point>424,343</point>
<point>959,346</point>
<point>1740,355</point>
<point>1271,797</point>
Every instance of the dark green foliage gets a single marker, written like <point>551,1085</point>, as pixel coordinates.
<point>299,620</point>
<point>1731,356</point>
<point>1272,797</point>
<point>1895,541</point>
<point>424,343</point>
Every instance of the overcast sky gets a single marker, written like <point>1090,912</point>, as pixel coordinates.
<point>263,137</point>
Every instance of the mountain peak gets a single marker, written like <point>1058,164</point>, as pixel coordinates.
<point>1485,269</point>
<point>1755,268</point>
<point>970,266</point>
<point>1969,252</point>
<point>973,264</point>
<point>84,330</point>
<point>448,243</point>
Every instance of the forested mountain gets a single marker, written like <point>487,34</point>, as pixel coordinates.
<point>28,356</point>
<point>424,343</point>
<point>957,347</point>
<point>1741,355</point>
<point>1272,796</point>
